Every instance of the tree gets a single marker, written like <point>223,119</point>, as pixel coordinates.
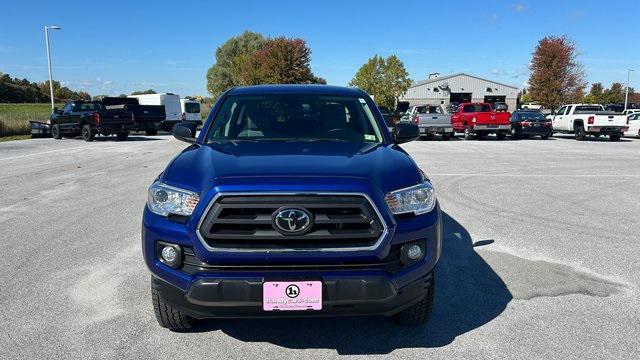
<point>230,59</point>
<point>144,92</point>
<point>556,76</point>
<point>595,95</point>
<point>615,94</point>
<point>385,79</point>
<point>280,61</point>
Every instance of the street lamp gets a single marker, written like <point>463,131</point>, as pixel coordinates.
<point>46,40</point>
<point>626,95</point>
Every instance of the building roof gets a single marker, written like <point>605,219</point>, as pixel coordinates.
<point>429,81</point>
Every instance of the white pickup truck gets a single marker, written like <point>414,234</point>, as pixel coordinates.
<point>431,120</point>
<point>588,119</point>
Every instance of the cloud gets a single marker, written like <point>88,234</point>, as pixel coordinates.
<point>519,7</point>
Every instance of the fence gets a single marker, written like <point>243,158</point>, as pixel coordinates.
<point>17,123</point>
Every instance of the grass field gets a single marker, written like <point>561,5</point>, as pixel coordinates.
<point>14,118</point>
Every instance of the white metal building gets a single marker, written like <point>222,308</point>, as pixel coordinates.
<point>458,88</point>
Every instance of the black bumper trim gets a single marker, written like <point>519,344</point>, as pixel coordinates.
<point>242,298</point>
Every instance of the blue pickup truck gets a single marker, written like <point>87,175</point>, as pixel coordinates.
<point>294,200</point>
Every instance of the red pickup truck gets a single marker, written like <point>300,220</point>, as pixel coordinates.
<point>480,119</point>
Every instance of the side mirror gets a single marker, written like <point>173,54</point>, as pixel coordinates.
<point>405,132</point>
<point>184,133</point>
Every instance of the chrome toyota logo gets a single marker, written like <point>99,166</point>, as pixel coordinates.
<point>290,221</point>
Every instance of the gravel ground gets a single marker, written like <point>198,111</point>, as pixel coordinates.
<point>540,258</point>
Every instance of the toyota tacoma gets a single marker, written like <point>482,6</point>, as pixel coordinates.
<point>293,200</point>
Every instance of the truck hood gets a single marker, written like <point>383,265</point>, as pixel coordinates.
<point>256,164</point>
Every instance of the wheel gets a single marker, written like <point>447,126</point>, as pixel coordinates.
<point>614,137</point>
<point>122,135</point>
<point>515,133</point>
<point>55,132</point>
<point>168,316</point>
<point>544,137</point>
<point>87,134</point>
<point>419,313</point>
<point>151,132</point>
<point>580,133</point>
<point>501,136</point>
<point>468,135</point>
<point>446,136</point>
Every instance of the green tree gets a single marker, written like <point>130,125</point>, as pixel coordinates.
<point>615,94</point>
<point>144,92</point>
<point>384,79</point>
<point>230,59</point>
<point>280,61</point>
<point>595,95</point>
<point>556,75</point>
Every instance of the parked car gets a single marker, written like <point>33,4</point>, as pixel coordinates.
<point>531,106</point>
<point>630,111</point>
<point>431,120</point>
<point>171,103</point>
<point>40,128</point>
<point>147,118</point>
<point>500,107</point>
<point>190,111</point>
<point>90,118</point>
<point>389,118</point>
<point>589,119</point>
<point>634,125</point>
<point>618,108</point>
<point>527,123</point>
<point>294,200</point>
<point>479,119</point>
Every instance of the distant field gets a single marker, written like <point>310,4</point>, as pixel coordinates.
<point>14,118</point>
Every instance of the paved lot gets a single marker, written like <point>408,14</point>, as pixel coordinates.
<point>541,258</point>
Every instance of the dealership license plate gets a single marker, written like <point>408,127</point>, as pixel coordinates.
<point>292,296</point>
<point>492,126</point>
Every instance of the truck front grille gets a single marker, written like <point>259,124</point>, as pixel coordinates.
<point>246,222</point>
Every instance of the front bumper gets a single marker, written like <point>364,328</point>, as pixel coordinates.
<point>242,297</point>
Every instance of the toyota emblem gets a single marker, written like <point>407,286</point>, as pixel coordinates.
<point>292,221</point>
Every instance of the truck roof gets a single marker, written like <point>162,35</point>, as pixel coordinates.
<point>310,89</point>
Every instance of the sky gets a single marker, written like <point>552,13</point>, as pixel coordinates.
<point>113,47</point>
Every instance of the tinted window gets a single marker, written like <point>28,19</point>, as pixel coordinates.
<point>281,117</point>
<point>533,115</point>
<point>191,108</point>
<point>477,108</point>
<point>586,108</point>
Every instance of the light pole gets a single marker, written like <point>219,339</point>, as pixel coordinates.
<point>46,40</point>
<point>626,95</point>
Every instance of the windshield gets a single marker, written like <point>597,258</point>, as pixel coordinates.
<point>532,116</point>
<point>284,117</point>
<point>191,108</point>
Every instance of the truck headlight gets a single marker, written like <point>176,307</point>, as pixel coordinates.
<point>418,199</point>
<point>164,200</point>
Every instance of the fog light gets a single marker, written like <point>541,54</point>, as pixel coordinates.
<point>170,254</point>
<point>411,253</point>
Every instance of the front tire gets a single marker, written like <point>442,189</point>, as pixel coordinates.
<point>515,133</point>
<point>501,136</point>
<point>122,135</point>
<point>151,132</point>
<point>419,313</point>
<point>168,316</point>
<point>55,132</point>
<point>87,134</point>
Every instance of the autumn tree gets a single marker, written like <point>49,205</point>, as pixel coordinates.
<point>384,79</point>
<point>556,75</point>
<point>230,59</point>
<point>280,61</point>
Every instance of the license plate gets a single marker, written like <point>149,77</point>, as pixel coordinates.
<point>292,296</point>
<point>492,126</point>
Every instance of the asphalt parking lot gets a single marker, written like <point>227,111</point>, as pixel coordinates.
<point>540,258</point>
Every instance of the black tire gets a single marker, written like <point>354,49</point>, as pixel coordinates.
<point>55,132</point>
<point>614,137</point>
<point>419,313</point>
<point>122,135</point>
<point>501,136</point>
<point>515,133</point>
<point>87,134</point>
<point>580,133</point>
<point>168,316</point>
<point>468,135</point>
<point>544,137</point>
<point>446,136</point>
<point>151,132</point>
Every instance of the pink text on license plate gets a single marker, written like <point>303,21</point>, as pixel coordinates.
<point>291,296</point>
